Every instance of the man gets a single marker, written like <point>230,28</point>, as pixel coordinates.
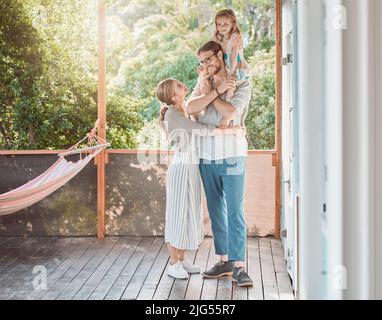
<point>222,161</point>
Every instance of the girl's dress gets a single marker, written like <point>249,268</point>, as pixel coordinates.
<point>184,228</point>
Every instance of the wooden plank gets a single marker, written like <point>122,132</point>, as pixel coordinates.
<point>20,259</point>
<point>271,293</point>
<point>153,278</point>
<point>135,268</point>
<point>195,284</point>
<point>210,285</point>
<point>178,290</point>
<point>136,282</point>
<point>24,264</point>
<point>254,270</point>
<point>8,256</point>
<point>82,248</point>
<point>70,270</point>
<point>163,289</point>
<point>286,293</point>
<point>54,254</point>
<point>96,277</point>
<point>62,266</point>
<point>112,275</point>
<point>14,253</point>
<point>224,288</point>
<point>283,280</point>
<point>4,240</point>
<point>267,267</point>
<point>78,281</point>
<point>278,256</point>
<point>268,270</point>
<point>124,278</point>
<point>239,293</point>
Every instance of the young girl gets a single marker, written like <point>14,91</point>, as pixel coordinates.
<point>184,218</point>
<point>228,35</point>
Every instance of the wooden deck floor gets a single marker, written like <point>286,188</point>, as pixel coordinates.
<point>129,268</point>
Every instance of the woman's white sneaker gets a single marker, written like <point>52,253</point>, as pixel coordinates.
<point>190,268</point>
<point>177,271</point>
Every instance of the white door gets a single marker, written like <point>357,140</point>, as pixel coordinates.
<point>288,141</point>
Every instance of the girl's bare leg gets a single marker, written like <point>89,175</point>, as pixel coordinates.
<point>181,254</point>
<point>174,254</point>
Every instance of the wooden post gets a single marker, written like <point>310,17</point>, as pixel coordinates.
<point>102,120</point>
<point>278,117</point>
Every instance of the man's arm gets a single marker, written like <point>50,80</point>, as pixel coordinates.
<point>208,96</point>
<point>226,109</point>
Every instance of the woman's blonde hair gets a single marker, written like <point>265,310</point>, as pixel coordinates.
<point>165,93</point>
<point>226,13</point>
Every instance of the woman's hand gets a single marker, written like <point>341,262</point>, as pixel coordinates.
<point>239,131</point>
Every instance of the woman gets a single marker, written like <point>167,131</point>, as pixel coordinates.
<point>184,228</point>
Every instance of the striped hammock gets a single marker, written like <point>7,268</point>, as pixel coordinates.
<point>53,178</point>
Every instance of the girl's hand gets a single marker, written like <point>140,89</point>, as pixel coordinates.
<point>226,85</point>
<point>203,73</point>
<point>205,86</point>
<point>203,80</point>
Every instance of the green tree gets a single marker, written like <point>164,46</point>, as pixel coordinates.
<point>260,120</point>
<point>48,87</point>
<point>48,65</point>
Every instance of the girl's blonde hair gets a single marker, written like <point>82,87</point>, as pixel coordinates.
<point>226,13</point>
<point>165,93</point>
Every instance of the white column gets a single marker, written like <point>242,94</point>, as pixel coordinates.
<point>359,134</point>
<point>311,140</point>
<point>335,24</point>
<point>378,143</point>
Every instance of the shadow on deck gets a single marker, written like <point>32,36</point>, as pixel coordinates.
<point>130,268</point>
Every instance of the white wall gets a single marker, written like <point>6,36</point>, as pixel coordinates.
<point>340,125</point>
<point>378,141</point>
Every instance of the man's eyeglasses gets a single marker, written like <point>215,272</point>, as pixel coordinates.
<point>206,60</point>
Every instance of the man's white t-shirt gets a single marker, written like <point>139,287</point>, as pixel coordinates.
<point>224,146</point>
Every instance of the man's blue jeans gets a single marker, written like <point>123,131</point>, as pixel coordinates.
<point>223,182</point>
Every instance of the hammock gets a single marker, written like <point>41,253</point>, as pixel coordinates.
<point>53,178</point>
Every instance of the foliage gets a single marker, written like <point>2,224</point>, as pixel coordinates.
<point>48,87</point>
<point>260,120</point>
<point>48,65</point>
